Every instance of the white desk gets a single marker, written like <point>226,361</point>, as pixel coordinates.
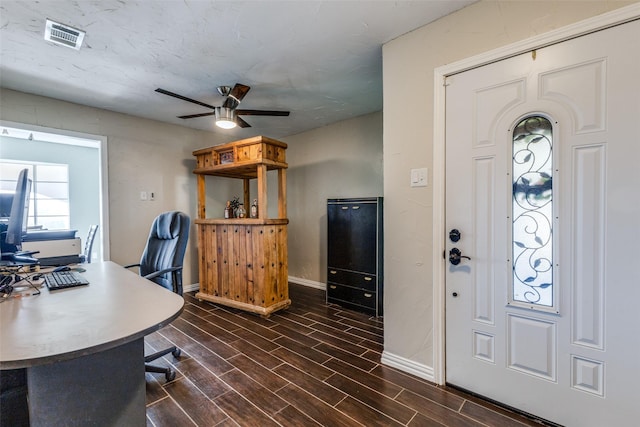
<point>83,347</point>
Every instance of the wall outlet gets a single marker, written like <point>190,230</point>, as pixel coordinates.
<point>144,196</point>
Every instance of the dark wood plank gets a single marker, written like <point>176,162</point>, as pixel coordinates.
<point>195,403</point>
<point>490,417</point>
<point>296,335</point>
<point>252,391</point>
<point>374,382</point>
<point>206,381</point>
<point>248,321</point>
<point>166,412</point>
<point>206,305</point>
<point>258,373</point>
<point>345,356</point>
<point>303,350</point>
<point>316,409</point>
<point>302,363</point>
<point>324,321</point>
<point>204,338</point>
<point>223,334</point>
<point>358,326</point>
<point>256,353</point>
<point>257,340</point>
<point>421,421</point>
<point>195,309</point>
<point>365,414</point>
<point>288,316</point>
<point>194,349</point>
<point>241,411</point>
<point>341,343</point>
<point>420,387</point>
<point>311,385</point>
<point>291,417</point>
<point>432,410</point>
<point>221,322</point>
<point>369,397</point>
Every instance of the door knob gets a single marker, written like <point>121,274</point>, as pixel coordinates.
<point>455,256</point>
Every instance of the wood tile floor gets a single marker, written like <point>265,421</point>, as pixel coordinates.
<point>312,364</point>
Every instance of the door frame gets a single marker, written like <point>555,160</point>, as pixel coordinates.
<point>600,22</point>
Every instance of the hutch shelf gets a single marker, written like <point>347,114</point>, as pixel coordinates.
<point>243,261</point>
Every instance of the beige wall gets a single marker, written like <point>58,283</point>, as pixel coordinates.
<point>337,161</point>
<point>408,65</point>
<point>142,155</point>
<point>341,160</point>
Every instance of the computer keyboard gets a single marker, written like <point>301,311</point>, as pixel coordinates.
<point>64,279</point>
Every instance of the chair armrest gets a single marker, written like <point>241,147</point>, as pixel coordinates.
<point>131,265</point>
<point>161,272</point>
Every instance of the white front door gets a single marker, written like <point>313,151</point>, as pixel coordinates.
<point>543,187</point>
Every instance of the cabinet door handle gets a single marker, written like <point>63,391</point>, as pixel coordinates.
<point>355,207</point>
<point>368,279</point>
<point>344,208</point>
<point>333,272</point>
<point>333,286</point>
<point>368,295</point>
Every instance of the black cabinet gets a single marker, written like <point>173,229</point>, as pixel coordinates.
<point>354,261</point>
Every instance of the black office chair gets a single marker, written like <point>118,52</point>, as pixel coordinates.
<point>88,245</point>
<point>161,262</point>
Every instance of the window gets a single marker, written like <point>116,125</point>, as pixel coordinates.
<point>49,201</point>
<point>532,213</point>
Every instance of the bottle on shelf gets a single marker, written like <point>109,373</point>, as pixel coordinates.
<point>227,210</point>
<point>254,208</point>
<point>242,212</point>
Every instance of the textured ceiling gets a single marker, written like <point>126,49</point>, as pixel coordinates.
<point>322,60</point>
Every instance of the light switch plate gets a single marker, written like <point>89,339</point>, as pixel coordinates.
<point>419,177</point>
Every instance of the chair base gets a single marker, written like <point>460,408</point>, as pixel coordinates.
<point>169,373</point>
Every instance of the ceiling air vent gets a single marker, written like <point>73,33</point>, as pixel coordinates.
<point>63,35</point>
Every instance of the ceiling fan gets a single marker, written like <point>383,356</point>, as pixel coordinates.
<point>227,116</point>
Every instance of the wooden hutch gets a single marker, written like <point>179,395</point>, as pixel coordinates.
<point>243,261</point>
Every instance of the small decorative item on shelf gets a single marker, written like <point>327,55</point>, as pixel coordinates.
<point>234,203</point>
<point>242,212</point>
<point>226,157</point>
<point>228,212</point>
<point>254,209</point>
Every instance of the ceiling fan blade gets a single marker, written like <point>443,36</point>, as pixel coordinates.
<point>242,123</point>
<point>184,98</point>
<point>193,116</point>
<point>236,95</point>
<point>262,113</point>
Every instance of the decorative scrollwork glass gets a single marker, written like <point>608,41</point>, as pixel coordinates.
<point>532,210</point>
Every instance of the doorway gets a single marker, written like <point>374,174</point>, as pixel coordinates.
<point>77,196</point>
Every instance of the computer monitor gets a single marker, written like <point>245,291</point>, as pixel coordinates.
<point>17,225</point>
<point>6,199</point>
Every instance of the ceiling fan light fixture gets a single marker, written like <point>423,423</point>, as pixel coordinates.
<point>225,118</point>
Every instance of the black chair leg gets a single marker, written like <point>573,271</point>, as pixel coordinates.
<point>169,373</point>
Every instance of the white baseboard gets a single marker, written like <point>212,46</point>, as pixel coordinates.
<point>307,282</point>
<point>190,288</point>
<point>406,365</point>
